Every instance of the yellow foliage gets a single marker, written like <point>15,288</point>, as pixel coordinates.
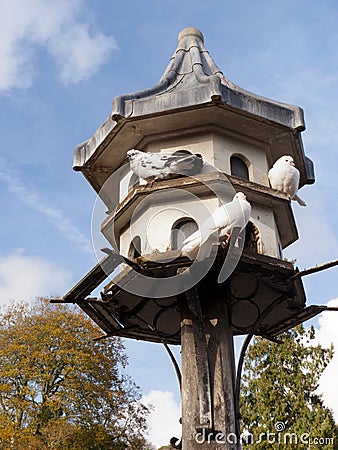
<point>61,390</point>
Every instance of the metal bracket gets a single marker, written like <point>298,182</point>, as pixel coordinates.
<point>244,348</point>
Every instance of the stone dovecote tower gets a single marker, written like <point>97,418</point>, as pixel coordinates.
<point>195,108</point>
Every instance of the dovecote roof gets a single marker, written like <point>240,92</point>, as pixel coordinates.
<point>193,78</point>
<point>192,92</point>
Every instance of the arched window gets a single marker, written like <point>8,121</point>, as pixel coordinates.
<point>135,248</point>
<point>182,152</point>
<point>252,239</point>
<point>239,168</point>
<point>180,231</point>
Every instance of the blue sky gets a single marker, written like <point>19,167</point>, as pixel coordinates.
<point>63,62</point>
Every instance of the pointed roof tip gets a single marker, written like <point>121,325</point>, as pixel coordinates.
<point>192,79</point>
<point>190,31</point>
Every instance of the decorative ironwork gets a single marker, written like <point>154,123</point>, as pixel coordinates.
<point>245,345</point>
<point>264,296</point>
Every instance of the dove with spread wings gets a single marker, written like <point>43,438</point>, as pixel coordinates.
<point>217,227</point>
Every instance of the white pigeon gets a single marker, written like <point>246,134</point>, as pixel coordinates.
<point>151,167</point>
<point>284,176</point>
<point>227,217</point>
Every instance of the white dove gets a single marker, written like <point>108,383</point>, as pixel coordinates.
<point>227,217</point>
<point>284,176</point>
<point>151,167</point>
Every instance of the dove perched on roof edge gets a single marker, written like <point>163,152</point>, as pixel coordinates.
<point>228,216</point>
<point>160,166</point>
<point>284,176</point>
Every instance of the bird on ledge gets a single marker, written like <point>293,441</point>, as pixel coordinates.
<point>284,176</point>
<point>151,167</point>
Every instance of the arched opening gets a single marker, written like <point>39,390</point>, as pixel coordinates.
<point>182,152</point>
<point>252,241</point>
<point>239,168</point>
<point>180,231</point>
<point>135,248</point>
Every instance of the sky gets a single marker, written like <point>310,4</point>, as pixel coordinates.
<point>63,62</point>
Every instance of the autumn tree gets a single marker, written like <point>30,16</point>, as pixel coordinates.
<point>279,404</point>
<point>60,389</point>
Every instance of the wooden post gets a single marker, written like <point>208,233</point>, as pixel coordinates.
<point>207,344</point>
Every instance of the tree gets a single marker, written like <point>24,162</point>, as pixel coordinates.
<point>59,389</point>
<point>279,405</point>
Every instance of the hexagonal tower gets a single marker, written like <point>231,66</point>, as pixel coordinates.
<point>194,107</point>
<point>239,136</point>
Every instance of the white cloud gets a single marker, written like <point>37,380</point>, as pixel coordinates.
<point>164,419</point>
<point>28,196</point>
<point>29,26</point>
<point>327,333</point>
<point>26,277</point>
<point>79,53</point>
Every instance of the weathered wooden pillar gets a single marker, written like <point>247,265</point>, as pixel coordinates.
<point>208,376</point>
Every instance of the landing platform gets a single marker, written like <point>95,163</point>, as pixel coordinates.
<point>261,292</point>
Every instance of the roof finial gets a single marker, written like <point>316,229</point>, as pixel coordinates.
<point>190,31</point>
